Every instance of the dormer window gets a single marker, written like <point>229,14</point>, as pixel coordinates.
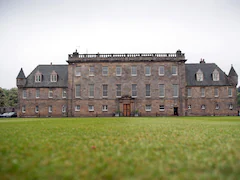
<point>215,75</point>
<point>199,75</point>
<point>53,77</point>
<point>38,77</point>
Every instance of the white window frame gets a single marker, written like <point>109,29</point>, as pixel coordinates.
<point>160,95</point>
<point>147,68</point>
<point>199,75</point>
<point>77,108</point>
<point>177,90</point>
<point>148,107</point>
<point>91,108</point>
<point>230,92</point>
<point>174,73</point>
<point>53,77</point>
<point>105,91</point>
<point>118,90</point>
<point>217,107</point>
<point>24,94</point>
<point>161,107</point>
<point>189,106</point>
<point>64,93</point>
<point>105,70</point>
<point>104,108</point>
<point>38,78</point>
<point>50,109</point>
<point>202,91</point>
<point>230,106</point>
<point>134,91</point>
<point>64,108</point>
<point>23,108</point>
<point>161,68</point>
<point>215,75</point>
<point>133,70</point>
<point>216,92</point>
<point>91,90</point>
<point>189,92</point>
<point>91,71</point>
<point>118,70</point>
<point>148,91</point>
<point>50,93</point>
<point>37,109</point>
<point>37,93</point>
<point>77,95</point>
<point>203,106</point>
<point>78,71</point>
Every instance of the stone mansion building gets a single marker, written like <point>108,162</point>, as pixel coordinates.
<point>146,84</point>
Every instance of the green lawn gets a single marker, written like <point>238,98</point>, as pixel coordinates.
<point>120,148</point>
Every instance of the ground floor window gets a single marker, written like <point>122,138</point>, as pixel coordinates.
<point>104,108</point>
<point>36,109</point>
<point>90,108</point>
<point>148,107</point>
<point>50,108</point>
<point>23,109</point>
<point>217,107</point>
<point>203,107</point>
<point>64,108</point>
<point>189,107</point>
<point>161,108</point>
<point>77,108</point>
<point>230,106</point>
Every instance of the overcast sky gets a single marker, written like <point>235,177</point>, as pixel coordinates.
<point>34,32</point>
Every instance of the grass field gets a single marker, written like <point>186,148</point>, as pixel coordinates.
<point>120,148</point>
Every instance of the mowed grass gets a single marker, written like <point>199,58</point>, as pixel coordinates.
<point>120,148</point>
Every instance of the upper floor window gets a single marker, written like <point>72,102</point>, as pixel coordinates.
<point>119,88</point>
<point>91,90</point>
<point>215,75</point>
<point>174,70</point>
<point>77,90</point>
<point>118,70</point>
<point>105,90</point>
<point>37,93</point>
<point>147,71</point>
<point>38,77</point>
<point>175,90</point>
<point>161,71</point>
<point>148,90</point>
<point>53,76</point>
<point>104,70</point>
<point>50,93</point>
<point>24,94</point>
<point>199,75</point>
<point>134,90</point>
<point>161,90</point>
<point>202,92</point>
<point>64,93</point>
<point>216,92</point>
<point>229,92</point>
<point>78,71</point>
<point>134,70</point>
<point>189,92</point>
<point>91,70</point>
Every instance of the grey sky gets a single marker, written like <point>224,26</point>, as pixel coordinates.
<point>44,31</point>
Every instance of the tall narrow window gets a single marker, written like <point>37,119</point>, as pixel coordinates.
<point>230,106</point>
<point>217,106</point>
<point>24,94</point>
<point>174,70</point>
<point>77,91</point>
<point>119,89</point>
<point>215,75</point>
<point>104,70</point>
<point>134,70</point>
<point>199,75</point>
<point>105,90</point>
<point>23,109</point>
<point>36,109</point>
<point>64,93</point>
<point>50,108</point>
<point>175,90</point>
<point>134,90</point>
<point>91,90</point>
<point>78,71</point>
<point>118,70</point>
<point>216,92</point>
<point>148,90</point>
<point>161,90</point>
<point>38,77</point>
<point>91,71</point>
<point>53,76</point>
<point>189,92</point>
<point>64,107</point>
<point>50,93</point>
<point>37,93</point>
<point>202,92</point>
<point>161,71</point>
<point>147,71</point>
<point>229,92</point>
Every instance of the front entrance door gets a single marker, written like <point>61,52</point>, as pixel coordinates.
<point>126,110</point>
<point>175,111</point>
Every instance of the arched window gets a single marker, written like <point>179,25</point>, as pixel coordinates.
<point>199,75</point>
<point>215,75</point>
<point>38,77</point>
<point>53,77</point>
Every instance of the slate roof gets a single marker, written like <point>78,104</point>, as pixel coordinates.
<point>232,72</point>
<point>46,70</point>
<point>21,75</point>
<point>207,69</point>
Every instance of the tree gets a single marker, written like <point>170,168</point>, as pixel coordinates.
<point>2,98</point>
<point>8,98</point>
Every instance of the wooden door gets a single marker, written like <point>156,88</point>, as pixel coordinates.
<point>126,110</point>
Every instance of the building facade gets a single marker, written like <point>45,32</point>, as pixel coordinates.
<point>146,84</point>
